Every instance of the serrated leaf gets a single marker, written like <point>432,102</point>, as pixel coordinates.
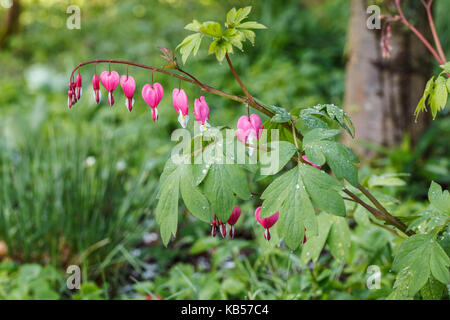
<point>388,179</point>
<point>287,195</point>
<point>283,149</point>
<point>190,44</point>
<point>339,158</point>
<point>313,246</point>
<point>339,239</point>
<point>422,256</point>
<point>439,263</point>
<point>236,180</point>
<point>251,25</point>
<point>234,37</point>
<point>221,184</point>
<point>166,211</point>
<point>329,112</point>
<point>440,199</point>
<point>193,199</point>
<point>211,29</point>
<point>432,290</point>
<point>248,35</point>
<point>422,106</point>
<point>323,190</point>
<point>193,26</point>
<point>241,14</point>
<point>438,96</point>
<point>231,16</point>
<point>401,285</point>
<point>220,47</point>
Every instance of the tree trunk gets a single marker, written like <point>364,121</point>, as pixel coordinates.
<point>11,23</point>
<point>381,95</point>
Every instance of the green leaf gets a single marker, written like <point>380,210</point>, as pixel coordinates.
<point>231,16</point>
<point>193,26</point>
<point>388,179</point>
<point>319,134</point>
<point>283,149</point>
<point>339,239</point>
<point>401,286</point>
<point>422,256</point>
<point>236,180</point>
<point>167,209</point>
<point>287,194</point>
<point>251,25</point>
<point>248,35</point>
<point>439,199</point>
<point>220,47</point>
<point>241,14</point>
<point>423,101</point>
<point>339,158</point>
<point>220,186</point>
<point>211,29</point>
<point>323,190</point>
<point>433,290</point>
<point>314,244</point>
<point>446,67</point>
<point>193,199</point>
<point>439,96</point>
<point>234,37</point>
<point>329,112</point>
<point>190,44</point>
<point>439,263</point>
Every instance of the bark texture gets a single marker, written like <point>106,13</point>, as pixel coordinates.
<point>381,95</point>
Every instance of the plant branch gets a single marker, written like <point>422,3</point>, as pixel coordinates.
<point>417,33</point>
<point>437,42</point>
<point>255,105</point>
<point>388,217</point>
<point>247,94</point>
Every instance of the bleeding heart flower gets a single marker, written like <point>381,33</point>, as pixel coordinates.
<point>181,105</point>
<point>266,222</point>
<point>128,86</point>
<point>233,219</point>
<point>152,96</point>
<point>72,89</point>
<point>201,111</point>
<point>213,227</point>
<point>96,88</point>
<point>69,98</point>
<point>78,89</point>
<point>311,163</point>
<point>249,129</point>
<point>223,229</point>
<point>110,80</point>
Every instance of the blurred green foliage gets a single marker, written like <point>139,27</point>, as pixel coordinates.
<point>79,186</point>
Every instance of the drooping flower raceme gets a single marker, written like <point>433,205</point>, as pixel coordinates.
<point>152,95</point>
<point>249,129</point>
<point>311,163</point>
<point>128,86</point>
<point>267,223</point>
<point>110,80</point>
<point>78,88</point>
<point>201,112</point>
<point>96,88</point>
<point>233,219</point>
<point>181,105</point>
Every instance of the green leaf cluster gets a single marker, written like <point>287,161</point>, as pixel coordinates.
<point>435,94</point>
<point>295,194</point>
<point>236,32</point>
<point>320,147</point>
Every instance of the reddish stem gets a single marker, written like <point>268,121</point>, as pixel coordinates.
<point>417,33</point>
<point>437,42</point>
